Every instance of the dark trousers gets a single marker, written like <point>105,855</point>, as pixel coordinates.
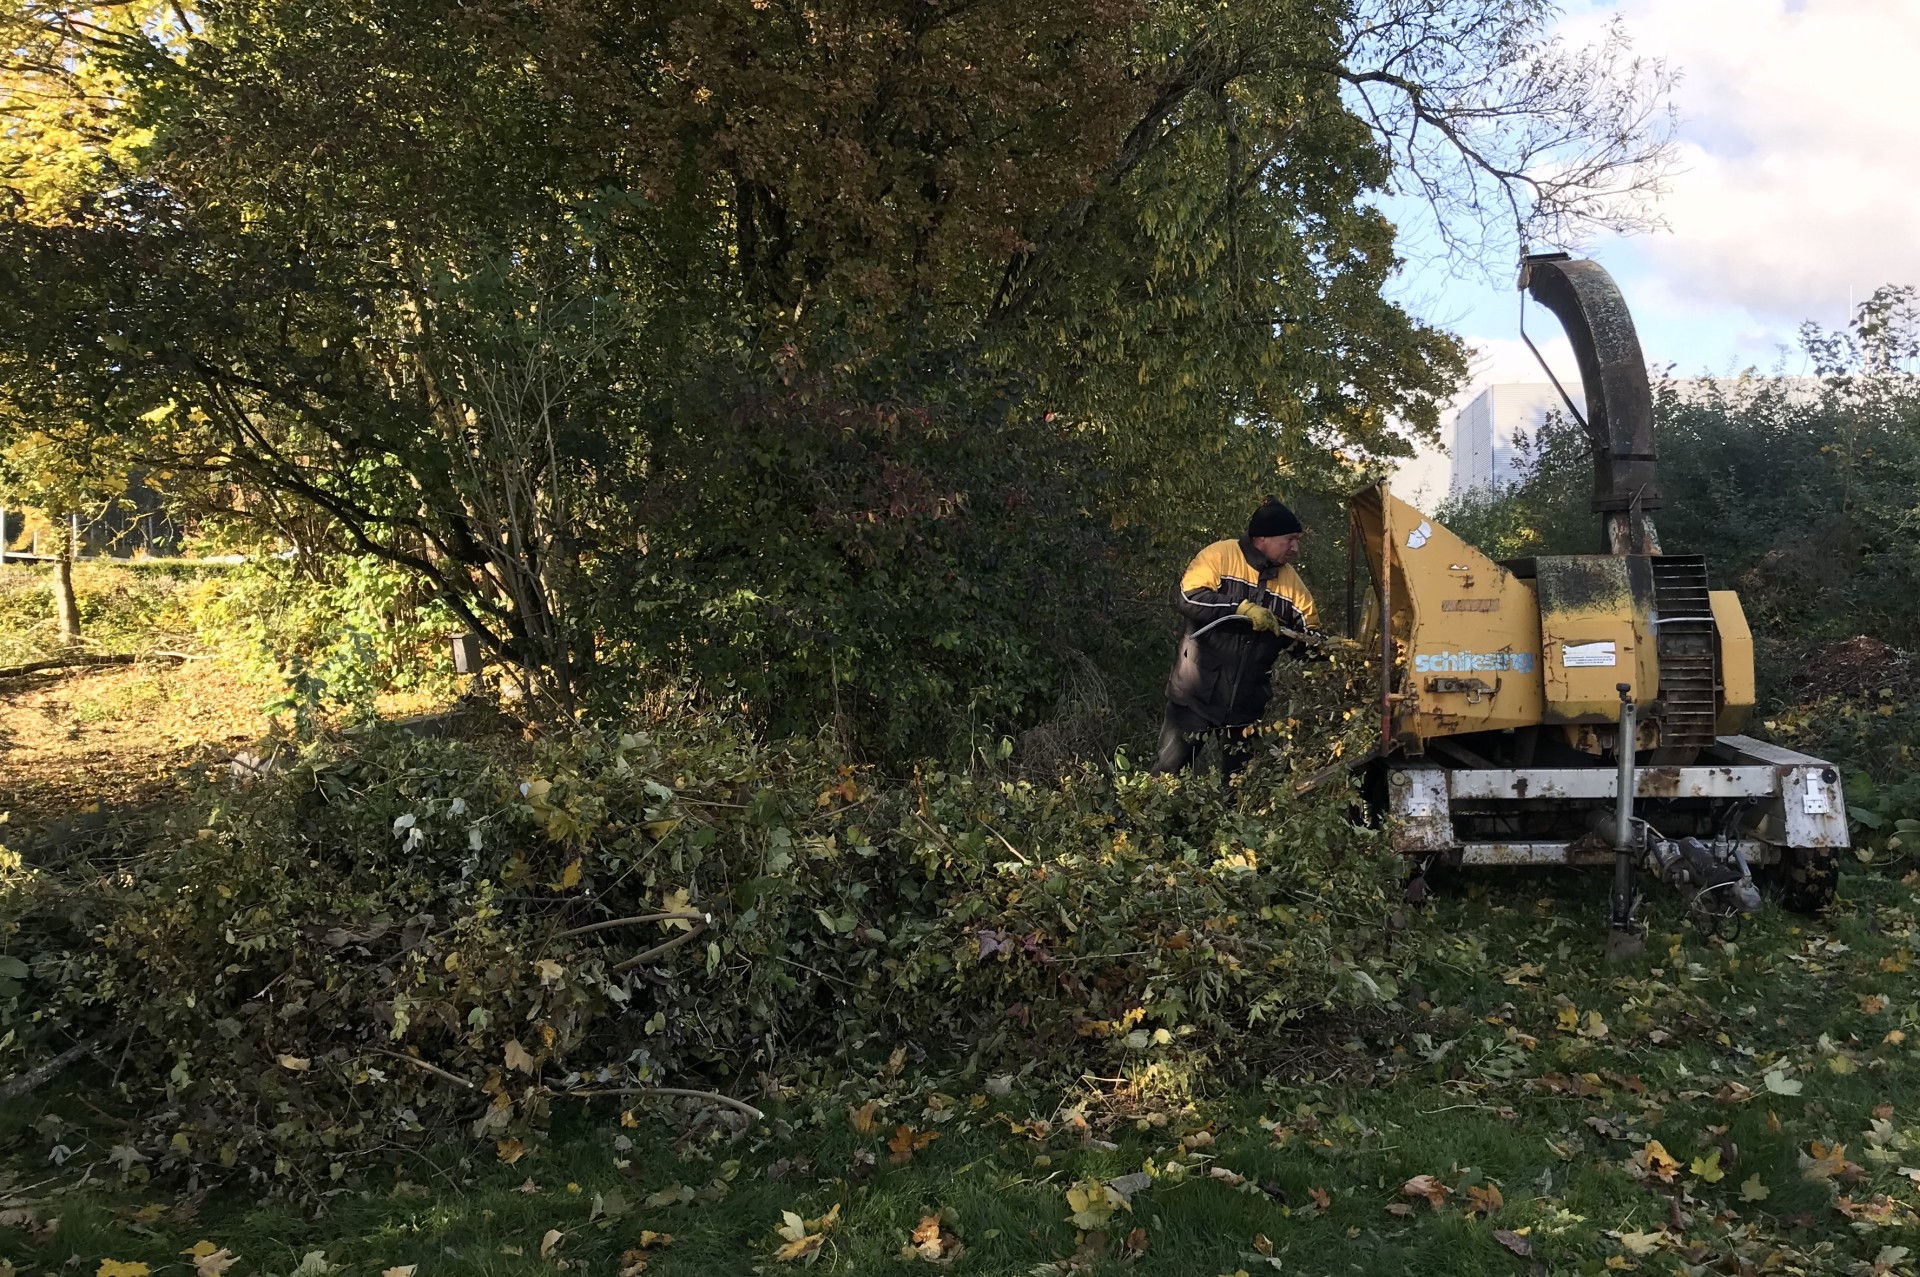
<point>1178,749</point>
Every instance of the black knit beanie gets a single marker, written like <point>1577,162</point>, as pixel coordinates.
<point>1273,520</point>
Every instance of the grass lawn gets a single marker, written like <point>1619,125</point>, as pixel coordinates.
<point>1706,1108</point>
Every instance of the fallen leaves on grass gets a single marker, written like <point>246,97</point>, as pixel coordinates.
<point>1708,1168</point>
<point>861,1119</point>
<point>1514,1241</point>
<point>1826,1161</point>
<point>1752,1190</point>
<point>1653,1162</point>
<point>634,1262</point>
<point>1092,1204</point>
<point>803,1238</point>
<point>121,1268</point>
<point>210,1260</point>
<point>906,1142</point>
<point>1643,1244</point>
<point>934,1240</point>
<point>1780,1084</point>
<point>1428,1187</point>
<point>1482,1199</point>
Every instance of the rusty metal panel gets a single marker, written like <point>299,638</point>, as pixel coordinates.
<point>1523,783</point>
<point>1812,808</point>
<point>1514,854</point>
<point>1745,749</point>
<point>1417,801</point>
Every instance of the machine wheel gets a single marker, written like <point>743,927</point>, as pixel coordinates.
<point>1808,876</point>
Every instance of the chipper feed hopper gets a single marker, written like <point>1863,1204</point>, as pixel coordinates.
<point>1585,709</point>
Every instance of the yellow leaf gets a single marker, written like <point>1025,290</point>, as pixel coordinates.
<point>1595,1026</point>
<point>199,1248</point>
<point>401,1270</point>
<point>1708,1167</point>
<point>1092,1204</point>
<point>677,901</point>
<point>861,1119</point>
<point>553,1238</point>
<point>1482,1200</point>
<point>569,877</point>
<point>1428,1187</point>
<point>804,1238</point>
<point>1752,1190</point>
<point>518,1058</point>
<point>297,1063</point>
<point>214,1263</point>
<point>1569,1019</point>
<point>120,1268</point>
<point>807,1247</point>
<point>510,1150</point>
<point>549,971</point>
<point>1643,1243</point>
<point>906,1142</point>
<point>1825,1162</point>
<point>1661,1164</point>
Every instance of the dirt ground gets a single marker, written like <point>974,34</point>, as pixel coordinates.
<point>117,735</point>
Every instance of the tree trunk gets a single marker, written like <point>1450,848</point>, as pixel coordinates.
<point>64,601</point>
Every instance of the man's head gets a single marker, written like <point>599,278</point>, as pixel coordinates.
<point>1275,531</point>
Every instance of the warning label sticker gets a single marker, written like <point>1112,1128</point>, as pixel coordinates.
<point>1576,656</point>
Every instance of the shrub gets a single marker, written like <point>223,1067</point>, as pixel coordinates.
<point>389,937</point>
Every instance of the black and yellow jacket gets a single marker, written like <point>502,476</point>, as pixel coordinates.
<point>1219,677</point>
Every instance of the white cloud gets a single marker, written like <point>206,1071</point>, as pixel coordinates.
<point>1799,131</point>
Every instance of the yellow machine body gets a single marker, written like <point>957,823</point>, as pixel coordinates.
<point>1477,647</point>
<point>1465,631</point>
<point>1596,632</point>
<point>1736,662</point>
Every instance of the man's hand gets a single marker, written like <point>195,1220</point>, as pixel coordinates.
<point>1260,618</point>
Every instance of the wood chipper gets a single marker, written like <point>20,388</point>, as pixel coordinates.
<point>1584,709</point>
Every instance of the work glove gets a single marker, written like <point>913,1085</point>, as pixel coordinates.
<point>1260,618</point>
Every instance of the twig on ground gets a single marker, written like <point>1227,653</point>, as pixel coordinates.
<point>740,1106</point>
<point>658,950</point>
<point>91,661</point>
<point>419,1063</point>
<point>33,1079</point>
<point>628,922</point>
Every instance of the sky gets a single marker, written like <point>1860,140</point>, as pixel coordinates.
<point>1797,190</point>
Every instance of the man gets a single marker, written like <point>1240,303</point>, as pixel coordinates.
<point>1237,601</point>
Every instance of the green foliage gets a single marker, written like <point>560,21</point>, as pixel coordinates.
<point>273,955</point>
<point>122,609</point>
<point>1800,492</point>
<point>578,317</point>
<point>337,631</point>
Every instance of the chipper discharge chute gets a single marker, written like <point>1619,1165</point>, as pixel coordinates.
<point>1585,709</point>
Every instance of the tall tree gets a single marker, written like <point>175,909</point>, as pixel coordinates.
<point>759,328</point>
